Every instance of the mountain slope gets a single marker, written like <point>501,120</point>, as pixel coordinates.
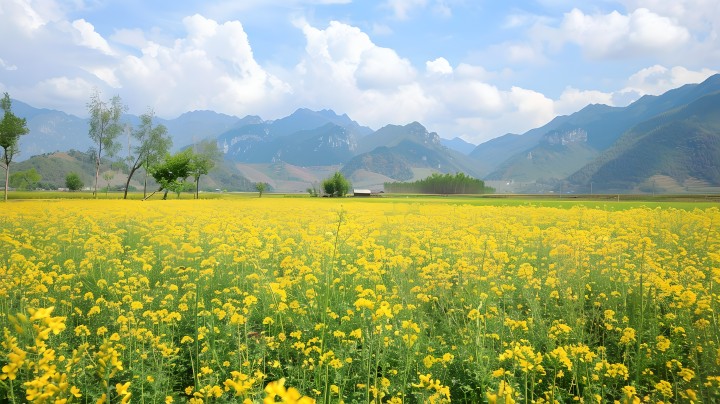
<point>491,154</point>
<point>397,152</point>
<point>54,167</point>
<point>50,131</point>
<point>603,125</point>
<point>681,144</point>
<point>192,127</point>
<point>327,145</point>
<point>459,145</point>
<point>304,138</point>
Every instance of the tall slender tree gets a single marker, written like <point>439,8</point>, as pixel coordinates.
<point>105,128</point>
<point>152,143</point>
<point>203,160</point>
<point>11,128</point>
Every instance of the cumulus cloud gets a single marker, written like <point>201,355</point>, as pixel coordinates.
<point>658,79</point>
<point>211,67</point>
<point>617,35</point>
<point>346,56</point>
<point>438,66</point>
<point>697,15</point>
<point>516,111</point>
<point>25,16</point>
<point>573,99</point>
<point>86,36</point>
<point>342,68</point>
<point>58,92</point>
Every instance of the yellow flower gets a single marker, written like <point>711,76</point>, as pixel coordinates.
<point>665,388</point>
<point>39,314</point>
<point>662,343</point>
<point>628,336</point>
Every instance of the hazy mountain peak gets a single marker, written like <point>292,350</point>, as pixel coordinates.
<point>458,145</point>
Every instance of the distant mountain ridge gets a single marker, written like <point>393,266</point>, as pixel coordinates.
<point>458,145</point>
<point>303,138</point>
<point>394,151</point>
<point>681,144</point>
<point>669,138</point>
<point>567,144</point>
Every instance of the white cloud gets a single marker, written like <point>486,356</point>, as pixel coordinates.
<point>653,80</point>
<point>7,66</point>
<point>471,98</point>
<point>402,8</point>
<point>618,35</point>
<point>383,68</point>
<point>86,36</point>
<point>438,66</point>
<point>534,107</point>
<point>58,92</point>
<point>212,67</point>
<point>25,15</point>
<point>107,75</point>
<point>572,100</point>
<point>343,69</point>
<point>517,111</point>
<point>658,79</point>
<point>697,15</point>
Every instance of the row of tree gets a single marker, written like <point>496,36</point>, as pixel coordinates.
<point>149,149</point>
<point>458,183</point>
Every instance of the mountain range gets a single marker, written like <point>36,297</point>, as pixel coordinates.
<point>618,149</point>
<point>669,142</point>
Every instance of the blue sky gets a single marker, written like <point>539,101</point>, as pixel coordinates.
<point>470,68</point>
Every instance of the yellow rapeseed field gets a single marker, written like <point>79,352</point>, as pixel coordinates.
<point>305,300</point>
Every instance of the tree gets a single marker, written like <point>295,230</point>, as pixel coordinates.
<point>25,179</point>
<point>203,160</point>
<point>107,176</point>
<point>105,127</point>
<point>441,184</point>
<point>260,186</point>
<point>73,182</point>
<point>336,185</point>
<point>172,172</point>
<point>313,189</point>
<point>152,144</point>
<point>11,128</point>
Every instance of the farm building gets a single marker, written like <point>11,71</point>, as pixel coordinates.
<point>362,192</point>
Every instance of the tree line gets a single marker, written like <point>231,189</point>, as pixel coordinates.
<point>458,183</point>
<point>148,149</point>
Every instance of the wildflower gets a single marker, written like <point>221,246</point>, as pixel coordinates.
<point>287,395</point>
<point>664,387</point>
<point>662,343</point>
<point>628,336</point>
